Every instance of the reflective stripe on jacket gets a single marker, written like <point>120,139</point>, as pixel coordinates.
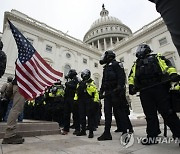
<point>162,63</point>
<point>91,89</point>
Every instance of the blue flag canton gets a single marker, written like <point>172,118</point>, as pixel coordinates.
<point>25,49</point>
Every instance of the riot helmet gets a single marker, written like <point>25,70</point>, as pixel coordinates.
<point>107,57</point>
<point>85,74</point>
<point>71,74</point>
<point>9,79</point>
<point>58,82</point>
<point>1,45</point>
<point>143,50</point>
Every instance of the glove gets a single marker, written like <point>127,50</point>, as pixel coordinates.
<point>132,90</point>
<point>101,96</point>
<point>93,93</point>
<point>175,77</point>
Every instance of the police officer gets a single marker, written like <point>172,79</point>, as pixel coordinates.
<point>3,60</point>
<point>87,95</point>
<point>150,75</point>
<point>56,95</point>
<point>113,87</point>
<point>70,106</point>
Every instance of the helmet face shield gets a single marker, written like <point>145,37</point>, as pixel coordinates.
<point>85,74</point>
<point>107,57</point>
<point>143,50</point>
<point>103,59</point>
<point>71,74</point>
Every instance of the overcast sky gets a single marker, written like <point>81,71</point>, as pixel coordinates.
<point>76,16</point>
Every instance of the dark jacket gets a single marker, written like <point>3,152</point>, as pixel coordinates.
<point>113,76</point>
<point>3,60</point>
<point>71,87</point>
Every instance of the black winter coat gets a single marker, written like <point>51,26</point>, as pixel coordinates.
<point>3,60</point>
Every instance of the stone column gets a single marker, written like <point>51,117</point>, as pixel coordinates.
<point>105,45</point>
<point>117,39</point>
<point>111,43</point>
<point>98,44</point>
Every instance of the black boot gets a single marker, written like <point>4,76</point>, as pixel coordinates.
<point>118,130</point>
<point>72,126</point>
<point>91,134</point>
<point>105,136</point>
<point>76,132</point>
<point>131,130</point>
<point>81,133</point>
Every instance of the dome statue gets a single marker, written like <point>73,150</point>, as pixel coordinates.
<point>106,31</point>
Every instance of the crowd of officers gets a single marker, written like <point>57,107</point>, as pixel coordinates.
<point>77,99</point>
<point>152,75</point>
<point>49,107</point>
<point>80,99</point>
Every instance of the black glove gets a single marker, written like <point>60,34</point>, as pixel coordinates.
<point>93,94</point>
<point>175,77</point>
<point>132,90</point>
<point>101,96</point>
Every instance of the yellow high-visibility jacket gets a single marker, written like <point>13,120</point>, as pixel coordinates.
<point>91,89</point>
<point>162,63</point>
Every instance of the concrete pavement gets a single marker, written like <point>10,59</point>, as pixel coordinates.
<point>70,144</point>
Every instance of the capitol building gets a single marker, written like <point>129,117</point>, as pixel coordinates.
<point>64,52</point>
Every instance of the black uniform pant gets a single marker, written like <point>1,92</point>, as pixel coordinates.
<point>58,112</point>
<point>71,107</point>
<point>127,111</point>
<point>113,101</point>
<point>170,11</point>
<point>3,109</point>
<point>158,99</point>
<point>86,108</point>
<point>97,115</point>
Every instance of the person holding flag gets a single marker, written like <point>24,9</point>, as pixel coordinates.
<point>32,76</point>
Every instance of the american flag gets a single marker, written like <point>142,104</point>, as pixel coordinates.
<point>33,74</point>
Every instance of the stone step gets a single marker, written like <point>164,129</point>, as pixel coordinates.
<point>33,128</point>
<point>30,128</point>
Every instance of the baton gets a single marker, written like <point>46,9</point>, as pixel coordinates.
<point>165,81</point>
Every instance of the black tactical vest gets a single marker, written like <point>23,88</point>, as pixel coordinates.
<point>148,71</point>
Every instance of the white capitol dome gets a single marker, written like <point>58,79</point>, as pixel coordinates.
<point>106,20</point>
<point>106,31</point>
